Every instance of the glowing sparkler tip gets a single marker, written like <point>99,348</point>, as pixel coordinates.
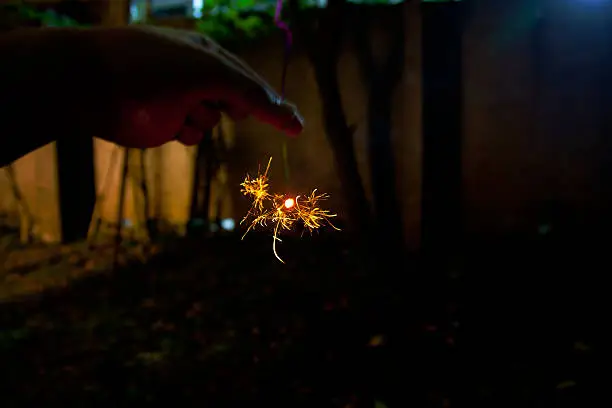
<point>267,208</point>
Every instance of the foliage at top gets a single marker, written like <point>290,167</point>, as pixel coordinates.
<point>227,20</point>
<point>224,20</point>
<point>16,15</point>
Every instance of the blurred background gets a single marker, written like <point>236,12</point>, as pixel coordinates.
<point>464,147</point>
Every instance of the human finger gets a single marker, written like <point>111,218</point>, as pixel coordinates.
<point>204,70</point>
<point>245,92</point>
<point>243,97</point>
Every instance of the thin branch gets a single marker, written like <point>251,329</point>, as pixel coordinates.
<point>21,202</point>
<point>120,207</point>
<point>144,187</point>
<point>209,155</point>
<point>97,217</point>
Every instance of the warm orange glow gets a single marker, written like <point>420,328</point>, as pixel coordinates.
<point>257,188</point>
<point>267,207</point>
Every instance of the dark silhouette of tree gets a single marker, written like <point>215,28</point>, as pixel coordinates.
<point>24,208</point>
<point>320,33</point>
<point>381,79</point>
<point>202,183</point>
<point>121,203</point>
<point>75,168</point>
<point>150,222</point>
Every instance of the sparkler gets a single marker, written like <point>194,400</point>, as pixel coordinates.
<point>282,211</point>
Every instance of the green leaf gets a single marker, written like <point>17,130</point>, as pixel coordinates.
<point>231,14</point>
<point>208,6</point>
<point>207,26</point>
<point>47,18</point>
<point>245,4</point>
<point>228,19</point>
<point>249,25</point>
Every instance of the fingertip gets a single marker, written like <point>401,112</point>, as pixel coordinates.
<point>294,127</point>
<point>263,104</point>
<point>283,116</point>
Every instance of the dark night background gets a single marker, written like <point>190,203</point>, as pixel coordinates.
<point>470,170</point>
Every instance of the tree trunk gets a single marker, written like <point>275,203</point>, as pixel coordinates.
<point>322,44</point>
<point>340,137</point>
<point>158,212</point>
<point>121,206</point>
<point>194,211</point>
<point>150,222</point>
<point>381,81</point>
<point>209,157</point>
<point>76,185</point>
<point>202,181</point>
<point>26,221</point>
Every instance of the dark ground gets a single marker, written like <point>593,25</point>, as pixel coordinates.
<point>222,323</point>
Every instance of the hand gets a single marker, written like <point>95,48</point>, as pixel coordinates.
<point>135,86</point>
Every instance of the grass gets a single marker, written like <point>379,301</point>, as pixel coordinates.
<point>221,319</point>
<point>33,270</point>
<point>221,323</point>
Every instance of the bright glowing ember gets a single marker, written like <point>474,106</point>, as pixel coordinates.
<point>282,212</point>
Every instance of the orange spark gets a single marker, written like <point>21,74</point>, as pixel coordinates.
<point>284,212</point>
